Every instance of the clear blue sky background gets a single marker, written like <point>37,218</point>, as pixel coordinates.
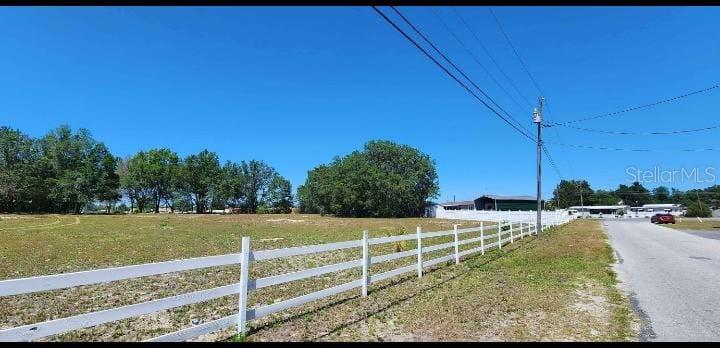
<point>297,86</point>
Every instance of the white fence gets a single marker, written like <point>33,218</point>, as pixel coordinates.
<point>516,230</point>
<point>555,217</point>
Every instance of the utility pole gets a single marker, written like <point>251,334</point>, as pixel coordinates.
<point>537,119</point>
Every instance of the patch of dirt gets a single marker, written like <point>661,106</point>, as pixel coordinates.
<point>285,220</point>
<point>592,304</point>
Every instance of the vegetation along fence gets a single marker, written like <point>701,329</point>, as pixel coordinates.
<point>501,233</point>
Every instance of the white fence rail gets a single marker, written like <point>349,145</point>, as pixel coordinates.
<point>513,230</point>
<point>555,217</point>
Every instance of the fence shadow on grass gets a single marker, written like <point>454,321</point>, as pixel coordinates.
<point>471,264</point>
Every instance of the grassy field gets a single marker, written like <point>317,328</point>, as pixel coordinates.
<point>534,282</point>
<point>695,224</point>
<point>68,243</point>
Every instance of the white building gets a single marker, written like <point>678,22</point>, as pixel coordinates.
<point>599,211</point>
<point>648,210</point>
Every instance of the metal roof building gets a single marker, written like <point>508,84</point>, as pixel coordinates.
<point>494,202</point>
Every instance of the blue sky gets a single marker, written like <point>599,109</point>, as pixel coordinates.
<point>297,86</point>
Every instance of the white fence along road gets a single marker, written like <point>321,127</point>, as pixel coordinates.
<point>515,229</point>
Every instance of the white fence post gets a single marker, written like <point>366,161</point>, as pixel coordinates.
<point>482,239</point>
<point>499,235</point>
<point>244,267</point>
<point>457,247</point>
<point>419,253</point>
<point>511,232</point>
<point>521,230</point>
<point>366,264</point>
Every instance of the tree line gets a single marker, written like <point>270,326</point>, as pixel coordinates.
<point>66,171</point>
<point>698,201</point>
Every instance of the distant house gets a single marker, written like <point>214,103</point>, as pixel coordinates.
<point>494,202</point>
<point>461,205</point>
<point>599,210</point>
<point>652,209</point>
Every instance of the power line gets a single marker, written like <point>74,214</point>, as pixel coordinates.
<point>636,107</point>
<point>414,28</point>
<point>552,162</point>
<point>475,58</point>
<point>449,73</point>
<point>646,133</point>
<point>507,38</point>
<point>532,78</point>
<point>467,26</point>
<point>631,150</point>
<point>609,132</point>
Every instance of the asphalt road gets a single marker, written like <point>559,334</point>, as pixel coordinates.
<point>673,279</point>
<point>704,234</point>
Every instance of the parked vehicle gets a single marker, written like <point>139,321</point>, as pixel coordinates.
<point>663,219</point>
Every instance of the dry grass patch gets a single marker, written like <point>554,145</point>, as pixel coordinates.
<point>47,244</point>
<point>557,288</point>
<point>695,224</point>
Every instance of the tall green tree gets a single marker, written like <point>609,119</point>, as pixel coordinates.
<point>134,180</point>
<point>384,180</point>
<point>661,194</point>
<point>256,178</point>
<point>163,174</point>
<point>74,160</point>
<point>635,194</point>
<point>278,197</point>
<point>698,209</point>
<point>232,189</point>
<point>17,154</point>
<point>568,192</point>
<point>201,177</point>
<point>604,197</point>
<point>107,187</point>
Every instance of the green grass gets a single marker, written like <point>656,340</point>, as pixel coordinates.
<point>687,223</point>
<point>66,243</point>
<point>559,287</point>
<point>525,292</point>
<point>48,244</point>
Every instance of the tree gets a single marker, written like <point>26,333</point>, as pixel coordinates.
<point>201,177</point>
<point>232,189</point>
<point>384,180</point>
<point>661,194</point>
<point>134,180</point>
<point>677,196</point>
<point>279,197</point>
<point>17,153</point>
<point>713,195</point>
<point>256,177</point>
<point>635,194</point>
<point>697,209</point>
<point>108,181</point>
<point>604,197</point>
<point>163,167</point>
<point>310,197</point>
<point>569,193</point>
<point>71,165</point>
